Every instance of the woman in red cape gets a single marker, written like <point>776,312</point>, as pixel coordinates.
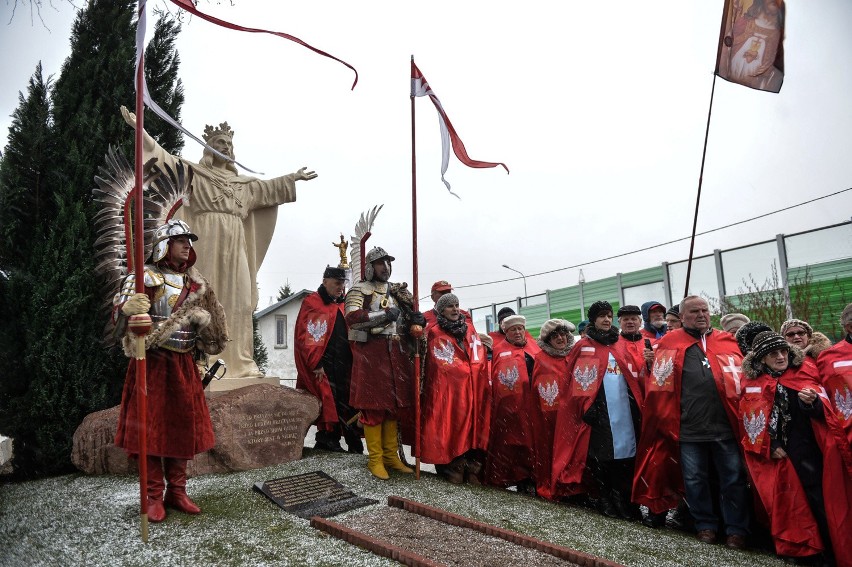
<point>796,453</point>
<point>456,394</point>
<point>597,424</point>
<point>549,371</point>
<point>510,443</point>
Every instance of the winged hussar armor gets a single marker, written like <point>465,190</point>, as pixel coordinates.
<point>164,191</point>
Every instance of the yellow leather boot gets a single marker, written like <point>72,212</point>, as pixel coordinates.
<point>373,436</point>
<point>391,447</point>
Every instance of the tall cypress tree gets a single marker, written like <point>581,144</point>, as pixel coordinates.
<point>26,208</point>
<point>66,373</point>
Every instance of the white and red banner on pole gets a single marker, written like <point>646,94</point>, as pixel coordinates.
<point>449,136</point>
<point>189,6</point>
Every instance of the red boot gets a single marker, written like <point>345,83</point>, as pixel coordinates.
<point>176,493</point>
<point>155,486</point>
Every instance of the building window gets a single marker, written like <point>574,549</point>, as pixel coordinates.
<point>280,331</point>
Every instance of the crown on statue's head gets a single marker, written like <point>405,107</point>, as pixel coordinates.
<point>223,130</point>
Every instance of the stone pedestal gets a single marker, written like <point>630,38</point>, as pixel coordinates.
<point>227,384</point>
<point>6,454</point>
<point>256,426</point>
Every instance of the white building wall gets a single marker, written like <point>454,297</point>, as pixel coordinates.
<point>282,364</point>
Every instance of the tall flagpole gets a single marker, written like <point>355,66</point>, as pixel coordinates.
<point>704,151</point>
<point>698,196</point>
<point>416,334</point>
<point>139,325</point>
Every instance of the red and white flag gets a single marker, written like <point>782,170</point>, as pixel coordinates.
<point>419,87</point>
<point>189,6</point>
<point>751,45</point>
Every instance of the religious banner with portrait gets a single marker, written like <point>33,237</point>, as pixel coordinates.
<point>751,45</point>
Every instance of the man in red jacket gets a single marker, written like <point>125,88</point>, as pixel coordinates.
<point>324,362</point>
<point>690,416</point>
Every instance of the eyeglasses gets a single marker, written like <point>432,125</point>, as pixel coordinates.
<point>792,334</point>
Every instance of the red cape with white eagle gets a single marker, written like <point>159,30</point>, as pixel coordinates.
<point>456,398</point>
<point>314,326</point>
<point>791,521</point>
<point>658,482</point>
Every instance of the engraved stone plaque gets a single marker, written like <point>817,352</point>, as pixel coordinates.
<point>311,494</point>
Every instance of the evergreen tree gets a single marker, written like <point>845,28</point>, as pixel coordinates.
<point>26,208</point>
<point>284,292</point>
<point>261,356</point>
<point>65,374</point>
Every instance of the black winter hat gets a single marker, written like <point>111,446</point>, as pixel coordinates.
<point>596,309</point>
<point>747,333</point>
<point>629,310</point>
<point>766,342</point>
<point>335,273</point>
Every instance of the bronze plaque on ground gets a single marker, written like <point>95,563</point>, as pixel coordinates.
<point>311,494</point>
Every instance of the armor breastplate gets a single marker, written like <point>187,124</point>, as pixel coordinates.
<point>168,287</point>
<point>379,301</point>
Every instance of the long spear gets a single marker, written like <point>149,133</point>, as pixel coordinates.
<point>140,325</point>
<point>416,330</point>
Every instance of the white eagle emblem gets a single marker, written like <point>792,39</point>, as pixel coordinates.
<point>446,353</point>
<point>317,329</point>
<point>662,369</point>
<point>586,376</point>
<point>549,392</point>
<point>843,403</point>
<point>754,425</point>
<point>509,377</point>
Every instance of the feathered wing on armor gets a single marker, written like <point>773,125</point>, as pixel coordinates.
<point>362,230</point>
<point>163,192</point>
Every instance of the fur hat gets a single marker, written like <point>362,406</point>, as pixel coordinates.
<point>785,326</point>
<point>731,320</point>
<point>764,343</point>
<point>334,273</point>
<point>628,310</point>
<point>817,343</point>
<point>445,301</point>
<point>846,316</point>
<point>487,341</point>
<point>747,332</point>
<point>503,313</point>
<point>597,308</point>
<point>552,325</point>
<point>513,320</point>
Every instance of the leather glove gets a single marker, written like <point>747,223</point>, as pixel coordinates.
<point>392,313</point>
<point>417,318</point>
<point>136,305</point>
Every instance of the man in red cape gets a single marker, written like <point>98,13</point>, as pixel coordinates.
<point>324,362</point>
<point>186,318</point>
<point>690,419</point>
<point>796,452</point>
<point>835,372</point>
<point>379,314</point>
<point>456,396</point>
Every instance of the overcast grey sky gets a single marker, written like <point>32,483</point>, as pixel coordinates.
<point>598,109</point>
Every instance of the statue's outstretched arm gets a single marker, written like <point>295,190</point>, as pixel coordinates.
<point>148,143</point>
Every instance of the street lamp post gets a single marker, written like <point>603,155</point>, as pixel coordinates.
<point>526,300</point>
<point>581,281</point>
